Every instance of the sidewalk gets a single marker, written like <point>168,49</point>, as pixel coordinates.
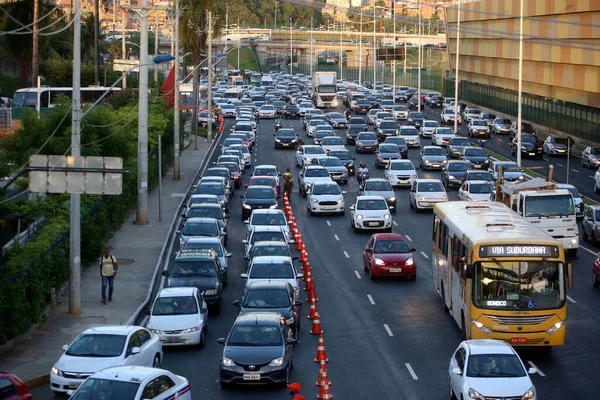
<point>137,249</point>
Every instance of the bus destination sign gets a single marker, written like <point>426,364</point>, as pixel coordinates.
<point>518,250</point>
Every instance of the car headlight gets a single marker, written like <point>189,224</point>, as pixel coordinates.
<point>273,207</point>
<point>222,201</point>
<point>444,197</point>
<point>427,161</point>
<point>530,394</point>
<point>276,362</point>
<point>211,292</point>
<point>379,261</point>
<point>194,329</point>
<point>420,197</point>
<point>56,371</point>
<point>483,329</point>
<point>473,394</point>
<point>414,176</point>
<point>246,206</point>
<point>340,201</point>
<point>393,198</point>
<point>409,262</point>
<point>181,242</point>
<point>359,216</point>
<point>451,177</point>
<point>555,327</point>
<point>155,331</point>
<point>278,141</point>
<point>228,362</point>
<point>386,216</point>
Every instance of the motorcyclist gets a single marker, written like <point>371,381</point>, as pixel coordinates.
<point>288,182</point>
<point>362,173</point>
<point>278,123</point>
<point>348,114</point>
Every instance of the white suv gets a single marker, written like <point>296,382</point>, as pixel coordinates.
<point>325,197</point>
<point>370,213</point>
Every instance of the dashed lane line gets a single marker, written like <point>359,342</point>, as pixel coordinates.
<point>424,255</point>
<point>357,274</point>
<point>560,165</point>
<point>328,223</point>
<point>371,299</point>
<point>388,330</point>
<point>411,371</point>
<point>588,250</point>
<point>538,370</point>
<point>591,176</point>
<point>574,170</point>
<point>571,300</point>
<point>408,237</point>
<point>346,254</point>
<point>394,222</point>
<point>336,237</point>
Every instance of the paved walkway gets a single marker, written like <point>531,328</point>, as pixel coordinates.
<point>137,248</point>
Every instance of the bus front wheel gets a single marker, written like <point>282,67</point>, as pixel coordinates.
<point>444,297</point>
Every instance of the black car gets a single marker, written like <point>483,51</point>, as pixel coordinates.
<point>258,350</point>
<point>286,139</point>
<point>199,268</point>
<point>411,92</point>
<point>220,172</point>
<point>476,156</point>
<point>413,102</point>
<point>416,119</point>
<point>362,106</point>
<point>453,173</point>
<point>272,296</point>
<point>526,127</point>
<point>401,96</point>
<point>531,146</point>
<point>436,101</point>
<point>401,142</point>
<point>346,158</point>
<point>387,129</point>
<point>257,197</point>
<point>368,84</point>
<point>352,133</point>
<point>279,107</point>
<point>291,111</point>
<point>360,121</point>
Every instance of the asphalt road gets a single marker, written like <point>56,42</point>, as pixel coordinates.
<point>385,339</point>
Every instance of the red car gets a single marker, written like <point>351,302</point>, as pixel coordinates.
<point>388,254</point>
<point>596,271</point>
<point>12,388</point>
<point>264,180</point>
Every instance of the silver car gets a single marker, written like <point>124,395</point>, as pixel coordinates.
<point>432,157</point>
<point>478,128</point>
<point>501,126</point>
<point>386,153</point>
<point>410,135</point>
<point>380,187</point>
<point>204,243</point>
<point>366,142</point>
<point>336,168</point>
<point>425,193</point>
<point>591,224</point>
<point>428,128</point>
<point>325,197</point>
<point>200,227</point>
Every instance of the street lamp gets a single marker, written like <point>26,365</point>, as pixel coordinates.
<point>393,9</point>
<point>291,47</point>
<point>374,47</point>
<point>456,73</point>
<point>520,96</point>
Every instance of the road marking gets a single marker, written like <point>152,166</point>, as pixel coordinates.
<point>357,274</point>
<point>500,140</point>
<point>425,255</point>
<point>387,328</point>
<point>178,195</point>
<point>591,176</point>
<point>588,250</point>
<point>574,170</point>
<point>371,299</point>
<point>538,370</point>
<point>544,158</point>
<point>560,165</point>
<point>408,237</point>
<point>411,371</point>
<point>394,222</point>
<point>346,254</point>
<point>336,237</point>
<point>143,323</point>
<point>571,300</point>
<point>328,223</point>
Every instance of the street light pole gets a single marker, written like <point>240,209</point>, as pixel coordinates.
<point>291,48</point>
<point>311,46</point>
<point>341,59</point>
<point>209,113</point>
<point>360,48</point>
<point>520,98</point>
<point>394,60</point>
<point>420,66</point>
<point>456,67</point>
<point>176,121</point>
<point>374,47</point>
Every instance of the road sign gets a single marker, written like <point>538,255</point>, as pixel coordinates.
<point>125,65</point>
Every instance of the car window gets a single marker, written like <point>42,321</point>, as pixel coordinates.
<point>97,345</point>
<point>180,305</point>
<point>459,357</point>
<point>269,236</point>
<point>372,205</point>
<point>267,298</point>
<point>494,366</point>
<point>97,389</point>
<point>316,172</point>
<point>276,219</point>
<point>430,187</point>
<point>269,251</point>
<point>201,228</point>
<point>255,192</point>
<point>144,336</point>
<point>481,188</point>
<point>194,268</point>
<point>255,335</point>
<point>157,386</point>
<point>7,389</point>
<point>271,271</point>
<point>391,247</point>
<point>134,341</point>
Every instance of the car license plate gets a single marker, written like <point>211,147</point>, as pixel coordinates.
<point>285,144</point>
<point>373,224</point>
<point>328,208</point>
<point>518,340</point>
<point>74,385</point>
<point>435,166</point>
<point>251,377</point>
<point>477,166</point>
<point>532,154</point>
<point>393,270</point>
<point>173,339</point>
<point>426,204</point>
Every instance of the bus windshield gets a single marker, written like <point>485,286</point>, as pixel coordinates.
<point>519,285</point>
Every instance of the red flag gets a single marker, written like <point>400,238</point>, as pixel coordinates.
<point>167,88</point>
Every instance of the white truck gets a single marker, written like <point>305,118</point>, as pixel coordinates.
<point>546,206</point>
<point>324,89</point>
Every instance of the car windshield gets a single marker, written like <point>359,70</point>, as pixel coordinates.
<point>232,166</point>
<point>336,116</point>
<point>388,125</point>
<point>101,389</point>
<point>409,132</point>
<point>265,171</point>
<point>549,206</point>
<point>270,250</point>
<point>317,122</point>
<point>449,111</point>
<point>271,236</point>
<point>262,182</point>
<point>444,131</point>
<point>97,345</point>
<point>573,191</point>
<point>316,172</point>
<point>494,366</point>
<point>430,187</point>
<point>266,298</point>
<point>473,111</point>
<point>275,219</point>
<point>391,247</point>
<point>475,152</point>
<point>255,335</point>
<point>188,268</point>
<point>459,166</point>
<point>480,176</point>
<point>255,192</point>
<point>388,148</point>
<point>379,185</point>
<point>367,136</point>
<point>401,166</point>
<point>508,167</point>
<point>271,271</point>
<point>528,138</point>
<point>331,162</point>
<point>430,124</point>
<point>183,305</point>
<point>479,123</point>
<point>333,141</point>
<point>314,150</point>
<point>481,188</point>
<point>201,228</point>
<point>205,212</point>
<point>357,120</point>
<point>267,108</point>
<point>417,115</point>
<point>460,142</point>
<point>519,285</point>
<point>212,245</point>
<point>382,115</point>
<point>489,116</point>
<point>372,204</point>
<point>326,190</point>
<point>396,140</point>
<point>342,155</point>
<point>242,127</point>
<point>203,200</point>
<point>231,141</point>
<point>503,121</point>
<point>286,133</point>
<point>434,151</point>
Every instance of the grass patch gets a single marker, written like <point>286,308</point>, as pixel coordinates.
<point>247,59</point>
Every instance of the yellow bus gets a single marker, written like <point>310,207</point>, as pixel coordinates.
<point>499,276</point>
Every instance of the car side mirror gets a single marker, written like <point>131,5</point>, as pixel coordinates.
<point>291,241</point>
<point>204,310</point>
<point>221,340</point>
<point>295,258</point>
<point>228,255</point>
<point>291,341</point>
<point>368,250</point>
<point>214,163</point>
<point>241,196</point>
<point>146,312</point>
<point>178,232</point>
<point>245,241</point>
<point>298,303</point>
<point>247,221</point>
<point>352,207</point>
<point>244,276</point>
<point>456,371</point>
<point>237,303</point>
<point>165,273</point>
<point>532,371</point>
<point>65,347</point>
<point>300,275</point>
<point>135,351</point>
<point>184,215</point>
<point>412,249</point>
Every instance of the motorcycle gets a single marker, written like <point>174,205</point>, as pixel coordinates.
<point>362,176</point>
<point>277,126</point>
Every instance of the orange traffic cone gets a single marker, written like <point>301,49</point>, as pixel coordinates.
<point>324,393</point>
<point>312,293</point>
<point>303,256</point>
<point>313,309</point>
<point>303,247</point>
<point>292,218</point>
<point>321,355</point>
<point>323,378</point>
<point>316,326</point>
<point>309,282</point>
<point>306,265</point>
<point>299,242</point>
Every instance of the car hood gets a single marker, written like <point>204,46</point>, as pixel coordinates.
<point>399,258</point>
<point>173,322</point>
<point>480,128</point>
<point>201,282</point>
<point>432,195</point>
<point>389,155</point>
<point>311,156</point>
<point>382,193</point>
<point>434,158</point>
<point>253,354</point>
<point>388,130</point>
<point>529,145</point>
<point>339,120</point>
<point>500,387</point>
<point>476,159</point>
<point>560,146</point>
<point>429,128</point>
<point>333,147</point>
<point>260,202</point>
<point>480,196</point>
<point>317,179</point>
<point>502,126</point>
<point>328,197</point>
<point>285,311</point>
<point>86,364</point>
<point>339,168</point>
<point>457,146</point>
<point>286,139</point>
<point>371,213</point>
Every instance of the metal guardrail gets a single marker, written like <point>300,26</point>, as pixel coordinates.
<point>24,236</point>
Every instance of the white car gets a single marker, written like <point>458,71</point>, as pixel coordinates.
<point>400,173</point>
<point>311,174</point>
<point>304,107</point>
<point>448,116</point>
<point>267,170</point>
<point>381,115</point>
<point>265,234</point>
<point>305,154</point>
<point>268,217</point>
<point>489,369</point>
<point>179,316</point>
<point>325,197</point>
<point>476,191</point>
<point>273,268</point>
<point>370,213</point>
<point>410,135</point>
<point>102,347</point>
<point>425,193</point>
<point>266,111</point>
<point>330,143</point>
<point>246,156</point>
<point>428,128</point>
<point>313,125</point>
<point>133,383</point>
<point>442,136</point>
<point>228,111</point>
<point>400,112</point>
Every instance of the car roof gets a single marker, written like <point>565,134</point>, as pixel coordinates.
<point>267,210</point>
<point>204,239</point>
<point>203,205</point>
<point>271,259</point>
<point>254,318</point>
<point>388,236</point>
<point>325,183</point>
<point>269,243</point>
<point>177,291</point>
<point>130,373</point>
<point>424,180</point>
<point>266,228</point>
<point>431,147</point>
<point>479,181</point>
<point>369,198</point>
<point>260,187</point>
<point>112,330</point>
<point>489,346</point>
<point>266,166</point>
<point>316,166</point>
<point>201,220</point>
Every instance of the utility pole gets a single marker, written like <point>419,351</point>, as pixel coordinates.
<point>227,24</point>
<point>156,49</point>
<point>374,47</point>
<point>209,111</point>
<point>311,47</point>
<point>124,49</point>
<point>96,39</point>
<point>176,121</point>
<point>360,48</point>
<point>341,59</point>
<point>394,60</point>
<point>142,161</point>
<point>291,48</point>
<point>520,95</point>
<point>35,58</point>
<point>456,106</point>
<point>239,44</point>
<point>420,60</point>
<point>75,201</point>
<point>405,55</point>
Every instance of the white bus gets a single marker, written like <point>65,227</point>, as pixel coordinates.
<point>27,97</point>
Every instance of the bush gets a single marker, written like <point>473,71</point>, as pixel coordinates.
<point>30,271</point>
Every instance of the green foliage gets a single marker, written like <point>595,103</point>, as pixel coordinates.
<point>257,12</point>
<point>30,271</point>
<point>8,85</point>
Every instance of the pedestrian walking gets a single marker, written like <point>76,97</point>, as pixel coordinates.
<point>108,270</point>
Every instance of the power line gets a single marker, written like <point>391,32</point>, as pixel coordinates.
<point>24,26</point>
